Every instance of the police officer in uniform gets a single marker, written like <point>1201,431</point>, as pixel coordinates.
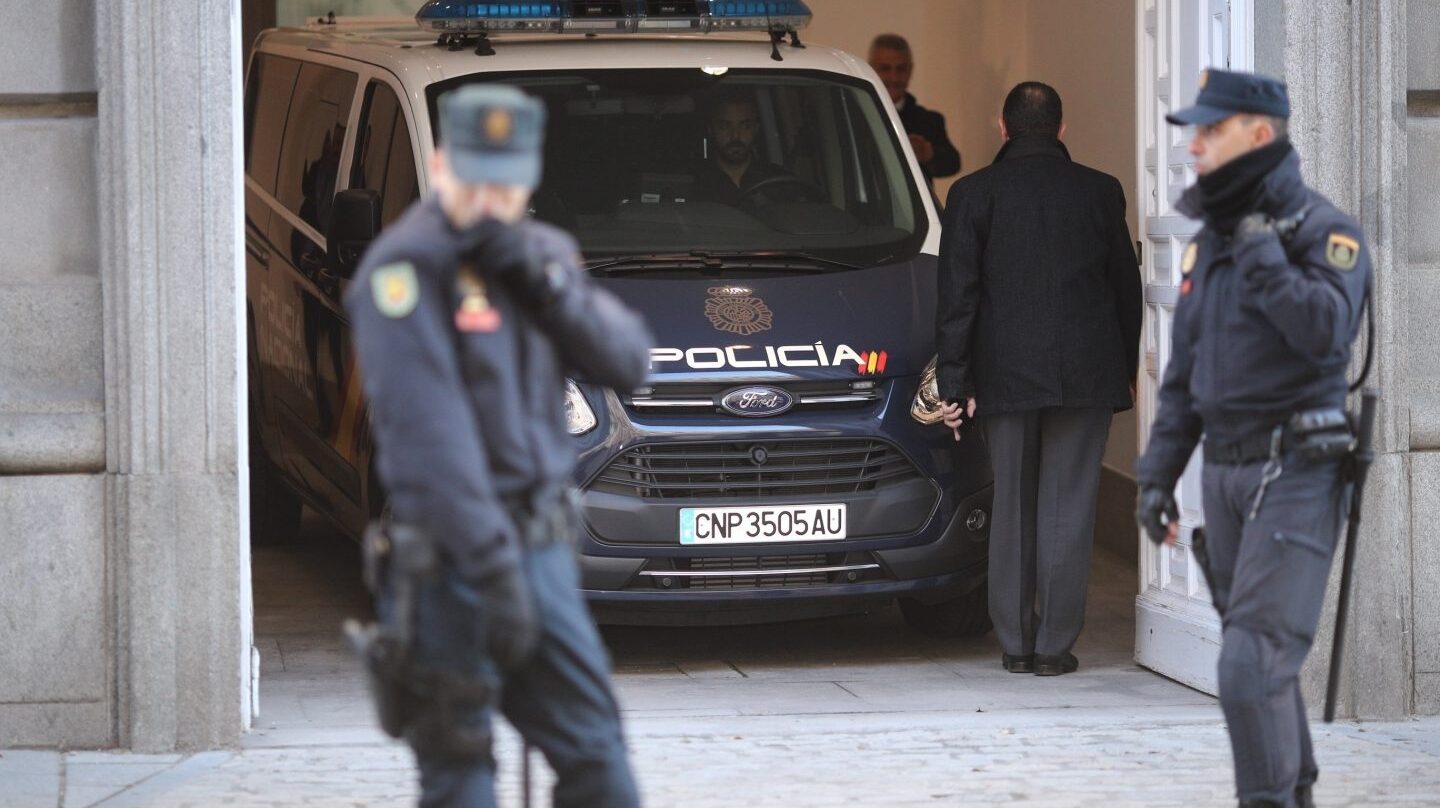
<point>467,319</point>
<point>1271,299</point>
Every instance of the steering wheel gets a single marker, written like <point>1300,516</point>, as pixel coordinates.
<point>806,191</point>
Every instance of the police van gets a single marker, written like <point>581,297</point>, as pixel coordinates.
<point>752,194</point>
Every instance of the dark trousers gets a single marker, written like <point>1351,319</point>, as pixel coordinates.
<point>1267,577</point>
<point>1047,475</point>
<point>560,701</point>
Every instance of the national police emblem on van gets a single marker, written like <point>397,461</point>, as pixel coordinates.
<point>734,309</point>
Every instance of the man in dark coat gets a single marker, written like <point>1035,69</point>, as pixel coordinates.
<point>1038,331</point>
<point>1271,295</point>
<point>892,61</point>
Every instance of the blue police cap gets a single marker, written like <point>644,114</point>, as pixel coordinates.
<point>1224,93</point>
<point>492,133</point>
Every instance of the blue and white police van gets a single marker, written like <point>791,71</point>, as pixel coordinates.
<point>752,194</point>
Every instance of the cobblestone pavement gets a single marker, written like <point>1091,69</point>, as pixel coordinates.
<point>856,710</point>
<point>1081,758</point>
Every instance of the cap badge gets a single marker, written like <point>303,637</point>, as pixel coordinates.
<point>499,125</point>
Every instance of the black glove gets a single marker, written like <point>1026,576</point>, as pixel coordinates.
<point>512,627</point>
<point>507,254</point>
<point>1155,511</point>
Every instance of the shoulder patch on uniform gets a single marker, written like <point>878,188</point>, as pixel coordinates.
<point>1187,263</point>
<point>395,289</point>
<point>1342,251</point>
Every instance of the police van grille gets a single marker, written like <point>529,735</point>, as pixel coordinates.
<point>756,572</point>
<point>755,469</point>
<point>679,398</point>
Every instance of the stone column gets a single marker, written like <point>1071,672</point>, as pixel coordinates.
<point>169,198</point>
<point>1423,131</point>
<point>1345,64</point>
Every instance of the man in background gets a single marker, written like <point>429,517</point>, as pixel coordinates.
<point>891,59</point>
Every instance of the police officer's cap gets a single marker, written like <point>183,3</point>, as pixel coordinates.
<point>1224,93</point>
<point>492,133</point>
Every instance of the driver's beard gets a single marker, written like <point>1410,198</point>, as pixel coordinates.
<point>734,158</point>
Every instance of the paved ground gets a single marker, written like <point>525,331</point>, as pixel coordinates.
<point>843,711</point>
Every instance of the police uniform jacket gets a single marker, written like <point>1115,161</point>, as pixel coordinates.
<point>1262,328</point>
<point>1039,294</point>
<point>930,125</point>
<point>468,421</point>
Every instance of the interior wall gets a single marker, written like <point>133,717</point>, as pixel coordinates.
<point>1088,56</point>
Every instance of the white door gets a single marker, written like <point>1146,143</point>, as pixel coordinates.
<point>1177,632</point>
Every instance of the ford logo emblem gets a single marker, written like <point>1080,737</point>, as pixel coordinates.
<point>757,402</point>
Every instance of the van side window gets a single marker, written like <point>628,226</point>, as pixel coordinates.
<point>267,100</point>
<point>314,135</point>
<point>384,160</point>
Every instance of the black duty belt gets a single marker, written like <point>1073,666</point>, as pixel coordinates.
<point>1253,449</point>
<point>1319,434</point>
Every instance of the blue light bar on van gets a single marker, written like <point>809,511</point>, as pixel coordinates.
<point>757,15</point>
<point>611,16</point>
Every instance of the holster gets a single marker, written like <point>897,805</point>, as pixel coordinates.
<point>398,560</point>
<point>1201,550</point>
<point>1321,435</point>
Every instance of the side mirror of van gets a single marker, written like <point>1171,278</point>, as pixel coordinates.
<point>354,223</point>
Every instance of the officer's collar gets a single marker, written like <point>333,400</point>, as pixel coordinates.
<point>1032,146</point>
<point>1266,180</point>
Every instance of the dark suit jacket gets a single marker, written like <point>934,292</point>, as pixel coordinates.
<point>1039,292</point>
<point>931,126</point>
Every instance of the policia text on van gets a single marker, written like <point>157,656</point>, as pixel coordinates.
<point>766,217</point>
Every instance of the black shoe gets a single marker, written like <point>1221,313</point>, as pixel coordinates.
<point>1056,664</point>
<point>1021,663</point>
<point>1304,796</point>
<point>1259,804</point>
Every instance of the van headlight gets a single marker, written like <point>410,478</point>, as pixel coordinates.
<point>579,418</point>
<point>926,407</point>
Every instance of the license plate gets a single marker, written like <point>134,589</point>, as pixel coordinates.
<point>756,525</point>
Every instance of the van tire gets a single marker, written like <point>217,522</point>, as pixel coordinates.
<point>965,616</point>
<point>274,509</point>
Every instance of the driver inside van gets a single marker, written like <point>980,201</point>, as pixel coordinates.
<point>734,170</point>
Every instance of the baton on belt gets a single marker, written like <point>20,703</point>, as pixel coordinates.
<point>1359,467</point>
<point>525,774</point>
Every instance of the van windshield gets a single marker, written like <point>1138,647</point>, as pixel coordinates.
<point>674,162</point>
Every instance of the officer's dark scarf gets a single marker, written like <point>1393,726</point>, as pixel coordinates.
<point>1224,196</point>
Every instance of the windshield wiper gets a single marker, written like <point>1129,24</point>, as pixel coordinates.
<point>622,264</point>
<point>778,259</point>
<point>709,260</point>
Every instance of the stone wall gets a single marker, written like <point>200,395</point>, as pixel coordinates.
<point>1423,128</point>
<point>124,587</point>
<point>53,581</point>
<point>1346,67</point>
